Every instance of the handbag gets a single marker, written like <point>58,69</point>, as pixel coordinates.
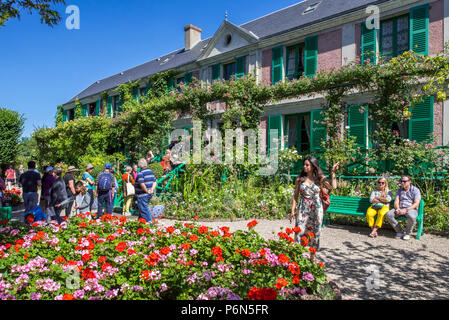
<point>377,206</point>
<point>129,188</point>
<point>325,199</point>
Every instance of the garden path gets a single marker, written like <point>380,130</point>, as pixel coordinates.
<point>414,269</point>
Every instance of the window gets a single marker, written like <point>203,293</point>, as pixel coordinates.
<point>115,106</point>
<point>71,114</point>
<point>179,81</point>
<point>311,8</point>
<point>228,70</point>
<point>91,110</point>
<point>394,37</point>
<point>295,61</point>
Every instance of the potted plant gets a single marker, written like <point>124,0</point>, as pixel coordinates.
<point>156,208</point>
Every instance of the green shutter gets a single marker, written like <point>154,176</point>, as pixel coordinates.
<point>419,29</point>
<point>311,56</point>
<point>421,121</point>
<point>317,131</point>
<point>170,85</point>
<point>98,107</point>
<point>368,45</point>
<point>136,94</point>
<point>84,110</point>
<point>188,78</point>
<point>357,123</point>
<point>215,72</point>
<point>148,88</point>
<point>277,64</point>
<point>240,67</point>
<point>275,123</point>
<point>64,115</point>
<point>109,107</point>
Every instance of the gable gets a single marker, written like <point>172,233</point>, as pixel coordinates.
<point>227,38</point>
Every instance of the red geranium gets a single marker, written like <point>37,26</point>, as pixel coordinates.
<point>186,246</point>
<point>102,259</point>
<point>120,247</point>
<point>203,229</point>
<point>246,252</point>
<point>68,296</point>
<point>165,250</point>
<point>312,250</point>
<point>193,238</point>
<point>152,259</point>
<point>86,257</point>
<point>283,258</point>
<point>131,252</point>
<point>170,229</point>
<point>252,224</point>
<point>60,259</point>
<point>281,283</point>
<point>262,294</point>
<point>304,241</point>
<point>105,266</point>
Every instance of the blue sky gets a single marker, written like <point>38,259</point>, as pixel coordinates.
<point>42,67</point>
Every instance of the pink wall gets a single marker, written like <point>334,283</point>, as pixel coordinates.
<point>263,125</point>
<point>436,28</point>
<point>329,50</point>
<point>438,122</point>
<point>266,67</point>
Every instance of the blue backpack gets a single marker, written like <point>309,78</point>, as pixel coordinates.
<point>105,181</point>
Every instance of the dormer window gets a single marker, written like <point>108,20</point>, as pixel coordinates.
<point>311,8</point>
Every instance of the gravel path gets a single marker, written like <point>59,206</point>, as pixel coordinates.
<point>369,269</point>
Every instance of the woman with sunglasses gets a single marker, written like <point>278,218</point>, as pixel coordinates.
<point>380,199</point>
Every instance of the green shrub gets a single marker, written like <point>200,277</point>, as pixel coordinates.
<point>157,170</point>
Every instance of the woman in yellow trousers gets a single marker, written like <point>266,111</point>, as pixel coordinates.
<point>127,178</point>
<point>380,200</point>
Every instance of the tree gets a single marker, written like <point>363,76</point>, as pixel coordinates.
<point>10,9</point>
<point>11,128</point>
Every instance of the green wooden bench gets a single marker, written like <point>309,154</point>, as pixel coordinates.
<point>5,213</point>
<point>358,206</point>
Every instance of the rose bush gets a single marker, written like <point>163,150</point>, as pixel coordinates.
<point>117,258</point>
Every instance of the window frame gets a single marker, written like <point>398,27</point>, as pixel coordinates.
<point>296,74</point>
<point>394,35</point>
<point>233,63</point>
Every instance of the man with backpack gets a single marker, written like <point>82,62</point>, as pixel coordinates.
<point>105,190</point>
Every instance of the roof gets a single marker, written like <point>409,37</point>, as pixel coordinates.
<point>270,25</point>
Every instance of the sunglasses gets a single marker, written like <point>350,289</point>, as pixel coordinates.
<point>381,183</point>
<point>404,181</point>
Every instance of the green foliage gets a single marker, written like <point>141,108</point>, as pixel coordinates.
<point>78,109</point>
<point>68,141</point>
<point>12,9</point>
<point>58,115</point>
<point>99,160</point>
<point>157,170</point>
<point>11,128</point>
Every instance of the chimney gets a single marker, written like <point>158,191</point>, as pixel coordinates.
<point>192,36</point>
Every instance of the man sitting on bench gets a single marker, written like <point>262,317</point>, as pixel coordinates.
<point>405,204</point>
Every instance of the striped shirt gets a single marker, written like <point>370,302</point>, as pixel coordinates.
<point>146,176</point>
